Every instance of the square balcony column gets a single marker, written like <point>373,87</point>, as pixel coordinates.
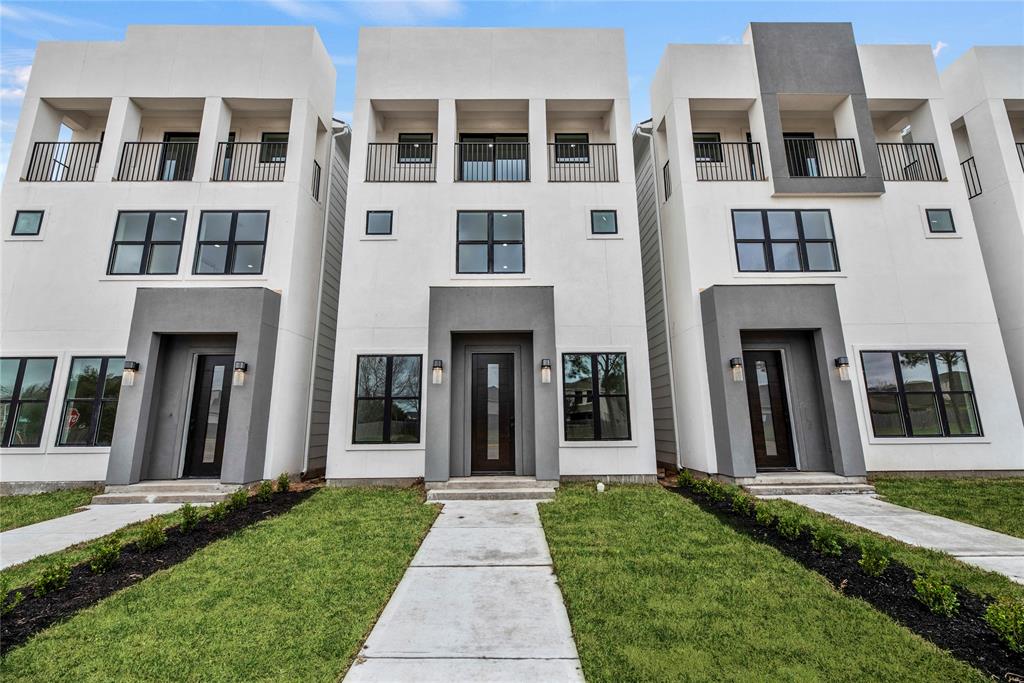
<point>679,137</point>
<point>447,130</point>
<point>39,122</point>
<point>215,128</point>
<point>123,125</point>
<point>620,128</point>
<point>301,143</point>
<point>538,140</point>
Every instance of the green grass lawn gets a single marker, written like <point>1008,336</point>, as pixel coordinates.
<point>16,511</point>
<point>658,590</point>
<point>289,599</point>
<point>996,504</point>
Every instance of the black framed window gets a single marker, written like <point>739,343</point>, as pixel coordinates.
<point>604,222</point>
<point>572,147</point>
<point>940,221</point>
<point>596,393</point>
<point>146,243</point>
<point>490,242</point>
<point>274,149</point>
<point>90,402</point>
<point>387,399</point>
<point>666,180</point>
<point>415,148</point>
<point>27,223</point>
<point>379,222</point>
<point>920,394</point>
<point>785,241</point>
<point>708,147</point>
<point>24,396</point>
<point>231,243</point>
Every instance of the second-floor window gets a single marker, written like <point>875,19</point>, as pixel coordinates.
<point>785,241</point>
<point>490,242</point>
<point>707,147</point>
<point>415,148</point>
<point>274,149</point>
<point>24,395</point>
<point>146,243</point>
<point>90,403</point>
<point>231,243</point>
<point>572,148</point>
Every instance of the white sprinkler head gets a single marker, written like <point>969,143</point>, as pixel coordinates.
<point>600,487</point>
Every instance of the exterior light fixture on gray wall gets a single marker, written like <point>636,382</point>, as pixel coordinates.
<point>843,365</point>
<point>545,371</point>
<point>437,373</point>
<point>128,374</point>
<point>238,376</point>
<point>737,369</point>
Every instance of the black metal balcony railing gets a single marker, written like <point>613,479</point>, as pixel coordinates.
<point>401,162</point>
<point>316,180</point>
<point>63,161</point>
<point>145,161</point>
<point>971,177</point>
<point>250,161</point>
<point>492,162</point>
<point>822,157</point>
<point>591,162</point>
<point>909,161</point>
<point>1020,153</point>
<point>728,160</point>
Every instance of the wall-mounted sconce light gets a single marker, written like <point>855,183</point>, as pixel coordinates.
<point>238,376</point>
<point>737,369</point>
<point>545,371</point>
<point>128,374</point>
<point>437,373</point>
<point>843,365</point>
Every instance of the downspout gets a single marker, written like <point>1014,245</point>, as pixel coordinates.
<point>344,130</point>
<point>649,134</point>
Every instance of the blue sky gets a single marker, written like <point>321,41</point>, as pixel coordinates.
<point>949,27</point>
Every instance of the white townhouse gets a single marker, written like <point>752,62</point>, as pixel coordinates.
<point>984,92</point>
<point>817,299</point>
<point>494,315</point>
<point>169,280</point>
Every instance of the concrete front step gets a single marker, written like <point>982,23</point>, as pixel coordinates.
<point>766,490</point>
<point>136,498</point>
<point>518,493</point>
<point>798,478</point>
<point>488,482</point>
<point>166,491</point>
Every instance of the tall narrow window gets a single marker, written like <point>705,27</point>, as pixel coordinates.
<point>274,149</point>
<point>90,403</point>
<point>231,243</point>
<point>24,395</point>
<point>387,399</point>
<point>596,393</point>
<point>490,242</point>
<point>785,241</point>
<point>146,243</point>
<point>666,180</point>
<point>920,394</point>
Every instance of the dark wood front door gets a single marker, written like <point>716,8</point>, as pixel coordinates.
<point>204,450</point>
<point>493,413</point>
<point>769,410</point>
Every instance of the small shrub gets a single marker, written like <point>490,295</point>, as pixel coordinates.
<point>152,536</point>
<point>8,600</point>
<point>790,525</point>
<point>189,517</point>
<point>53,578</point>
<point>105,556</point>
<point>741,502</point>
<point>283,483</point>
<point>763,514</point>
<point>217,511</point>
<point>265,492</point>
<point>239,499</point>
<point>936,596</point>
<point>716,491</point>
<point>825,540</point>
<point>1006,617</point>
<point>873,558</point>
<point>686,479</point>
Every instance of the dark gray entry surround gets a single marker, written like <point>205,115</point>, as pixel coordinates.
<point>507,316</point>
<point>166,322</point>
<point>765,316</point>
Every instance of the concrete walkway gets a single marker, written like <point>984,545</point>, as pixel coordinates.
<point>983,548</point>
<point>28,542</point>
<point>479,603</point>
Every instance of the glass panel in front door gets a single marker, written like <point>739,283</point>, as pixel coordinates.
<point>493,412</point>
<point>767,417</point>
<point>213,416</point>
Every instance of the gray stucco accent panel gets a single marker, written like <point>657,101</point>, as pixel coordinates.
<point>821,59</point>
<point>729,310</point>
<point>490,309</point>
<point>251,314</point>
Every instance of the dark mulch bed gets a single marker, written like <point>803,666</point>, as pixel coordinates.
<point>965,635</point>
<point>84,588</point>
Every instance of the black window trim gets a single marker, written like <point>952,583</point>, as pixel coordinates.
<point>716,157</point>
<point>597,395</point>
<point>489,241</point>
<point>938,392</point>
<point>412,158</point>
<point>666,180</point>
<point>14,404</point>
<point>391,223</point>
<point>800,241</point>
<point>613,212</point>
<point>581,158</point>
<point>229,258</point>
<point>928,221</point>
<point>39,225</point>
<point>387,399</point>
<point>265,149</point>
<point>147,244</point>
<point>97,403</point>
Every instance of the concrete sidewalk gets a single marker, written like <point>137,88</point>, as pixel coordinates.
<point>479,603</point>
<point>983,548</point>
<point>28,542</point>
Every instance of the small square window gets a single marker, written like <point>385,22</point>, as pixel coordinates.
<point>604,223</point>
<point>940,220</point>
<point>379,222</point>
<point>27,223</point>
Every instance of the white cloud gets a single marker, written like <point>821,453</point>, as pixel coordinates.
<point>13,81</point>
<point>939,47</point>
<point>408,12</point>
<point>345,116</point>
<point>305,10</point>
<point>31,15</point>
<point>343,60</point>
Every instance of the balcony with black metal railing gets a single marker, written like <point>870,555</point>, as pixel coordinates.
<point>909,161</point>
<point>590,162</point>
<point>721,161</point>
<point>1020,154</point>
<point>157,161</point>
<point>971,177</point>
<point>492,162</point>
<point>250,162</point>
<point>401,162</point>
<point>56,162</point>
<point>822,157</point>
